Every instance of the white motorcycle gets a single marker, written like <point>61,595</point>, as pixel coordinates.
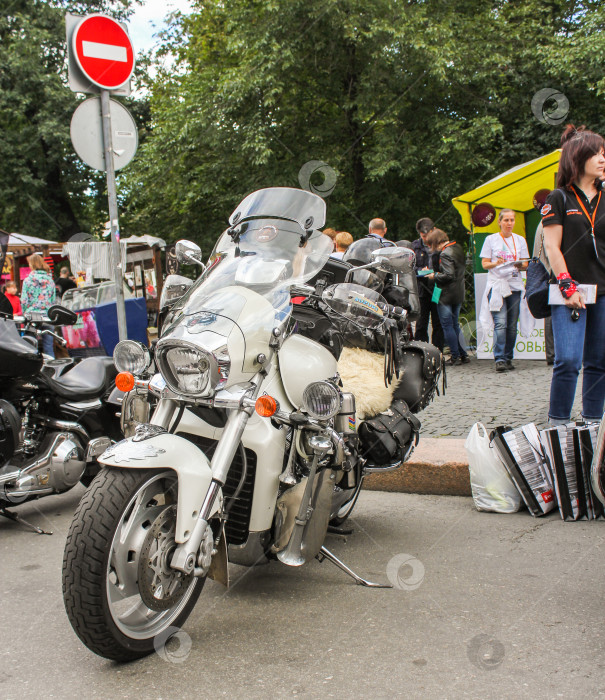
<point>253,448</point>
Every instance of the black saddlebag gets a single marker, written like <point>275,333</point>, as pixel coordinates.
<point>315,324</point>
<point>422,367</point>
<point>389,436</point>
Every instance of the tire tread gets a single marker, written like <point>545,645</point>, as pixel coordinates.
<point>85,560</point>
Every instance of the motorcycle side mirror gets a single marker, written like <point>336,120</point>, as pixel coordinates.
<point>394,259</point>
<point>188,253</point>
<point>60,316</point>
<point>174,288</point>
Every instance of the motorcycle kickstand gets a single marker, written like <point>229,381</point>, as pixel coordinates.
<point>18,519</point>
<point>326,554</point>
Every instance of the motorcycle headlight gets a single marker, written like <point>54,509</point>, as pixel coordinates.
<point>131,356</point>
<point>192,371</point>
<point>322,400</point>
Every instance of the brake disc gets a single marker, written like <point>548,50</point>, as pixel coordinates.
<point>161,587</point>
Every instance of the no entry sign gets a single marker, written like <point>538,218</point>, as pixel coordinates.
<point>103,51</point>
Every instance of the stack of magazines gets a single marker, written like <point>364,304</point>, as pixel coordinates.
<point>552,467</point>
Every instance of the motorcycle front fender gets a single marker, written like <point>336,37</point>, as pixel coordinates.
<point>167,451</point>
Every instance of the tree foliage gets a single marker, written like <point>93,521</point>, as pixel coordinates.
<point>409,103</point>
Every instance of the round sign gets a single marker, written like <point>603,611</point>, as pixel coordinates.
<point>483,214</point>
<point>103,51</point>
<point>86,132</point>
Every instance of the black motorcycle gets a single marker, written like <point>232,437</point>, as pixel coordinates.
<point>56,417</point>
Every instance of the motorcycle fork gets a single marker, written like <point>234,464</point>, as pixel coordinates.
<point>185,554</point>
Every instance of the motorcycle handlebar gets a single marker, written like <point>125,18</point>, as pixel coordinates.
<point>38,318</point>
<point>58,338</point>
<point>39,332</point>
<point>393,311</point>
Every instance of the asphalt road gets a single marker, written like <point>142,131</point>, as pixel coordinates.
<point>486,606</point>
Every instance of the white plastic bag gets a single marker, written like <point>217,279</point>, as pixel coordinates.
<point>492,487</point>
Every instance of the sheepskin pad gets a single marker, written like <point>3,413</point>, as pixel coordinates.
<point>362,374</point>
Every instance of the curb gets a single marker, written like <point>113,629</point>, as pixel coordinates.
<point>438,466</point>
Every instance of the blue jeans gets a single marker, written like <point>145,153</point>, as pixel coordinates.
<point>48,341</point>
<point>578,343</point>
<point>448,315</point>
<point>505,327</point>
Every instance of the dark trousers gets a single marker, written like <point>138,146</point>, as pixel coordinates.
<point>428,309</point>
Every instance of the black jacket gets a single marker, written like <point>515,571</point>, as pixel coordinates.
<point>423,259</point>
<point>450,277</point>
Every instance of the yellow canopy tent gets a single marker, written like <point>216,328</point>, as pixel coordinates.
<point>514,189</point>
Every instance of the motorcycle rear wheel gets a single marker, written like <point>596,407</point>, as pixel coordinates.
<point>101,565</point>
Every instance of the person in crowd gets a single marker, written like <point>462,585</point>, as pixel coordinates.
<point>378,229</point>
<point>331,234</point>
<point>342,241</point>
<point>539,251</point>
<point>64,282</point>
<point>448,276</point>
<point>38,294</point>
<point>12,294</point>
<point>504,255</point>
<point>428,309</point>
<point>6,310</point>
<point>574,235</point>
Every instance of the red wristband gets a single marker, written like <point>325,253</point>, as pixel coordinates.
<point>567,285</point>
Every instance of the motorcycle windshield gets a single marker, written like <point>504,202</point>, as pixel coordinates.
<point>306,208</point>
<point>267,258</point>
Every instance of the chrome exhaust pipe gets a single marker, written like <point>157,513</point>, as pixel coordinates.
<point>24,483</point>
<point>292,554</point>
<point>66,425</point>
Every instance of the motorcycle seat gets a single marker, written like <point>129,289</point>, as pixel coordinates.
<point>89,379</point>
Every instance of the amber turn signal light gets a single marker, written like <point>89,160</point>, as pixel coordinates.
<point>125,381</point>
<point>266,406</point>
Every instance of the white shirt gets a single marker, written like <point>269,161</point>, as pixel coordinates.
<point>512,248</point>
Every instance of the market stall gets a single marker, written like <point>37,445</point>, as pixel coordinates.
<point>19,247</point>
<point>95,303</point>
<point>144,270</point>
<point>96,331</point>
<point>522,189</point>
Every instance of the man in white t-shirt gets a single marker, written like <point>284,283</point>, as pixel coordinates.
<point>504,255</point>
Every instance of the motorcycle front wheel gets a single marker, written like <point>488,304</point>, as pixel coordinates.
<point>122,598</point>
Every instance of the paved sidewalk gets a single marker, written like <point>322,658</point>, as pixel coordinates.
<point>476,392</point>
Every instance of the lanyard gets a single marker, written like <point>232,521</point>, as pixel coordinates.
<point>591,220</point>
<point>514,245</point>
<point>594,213</point>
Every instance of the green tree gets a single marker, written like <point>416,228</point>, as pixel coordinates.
<point>408,102</point>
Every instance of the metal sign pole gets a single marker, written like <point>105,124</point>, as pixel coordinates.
<point>118,272</point>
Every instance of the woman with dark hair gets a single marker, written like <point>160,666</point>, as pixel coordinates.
<point>448,263</point>
<point>574,236</point>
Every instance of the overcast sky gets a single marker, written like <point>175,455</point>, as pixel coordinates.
<point>148,19</point>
